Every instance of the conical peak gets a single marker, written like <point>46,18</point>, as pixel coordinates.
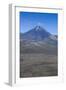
<point>38,28</point>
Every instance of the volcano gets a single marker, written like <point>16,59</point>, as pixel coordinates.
<point>38,40</point>
<point>38,33</point>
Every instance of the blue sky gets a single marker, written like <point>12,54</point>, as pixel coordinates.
<point>29,20</point>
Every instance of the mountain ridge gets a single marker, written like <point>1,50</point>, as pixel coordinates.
<point>38,40</point>
<point>37,33</point>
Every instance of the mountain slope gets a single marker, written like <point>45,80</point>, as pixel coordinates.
<point>38,40</point>
<point>37,33</point>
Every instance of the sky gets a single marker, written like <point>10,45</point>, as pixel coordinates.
<point>49,21</point>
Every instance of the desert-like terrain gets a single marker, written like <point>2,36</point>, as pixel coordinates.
<point>36,65</point>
